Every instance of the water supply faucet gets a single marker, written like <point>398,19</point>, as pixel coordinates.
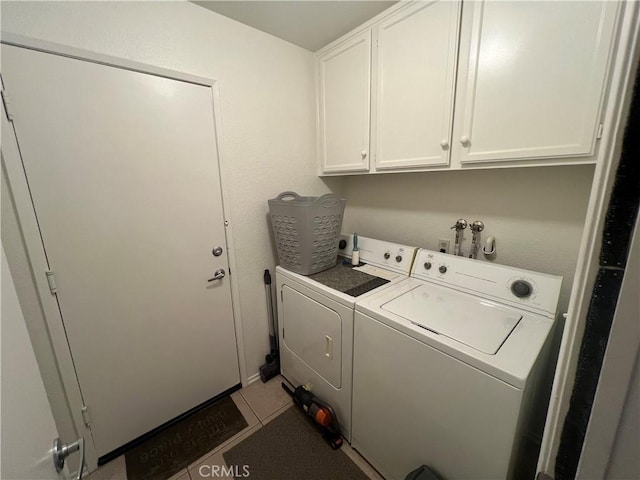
<point>460,225</point>
<point>476,227</point>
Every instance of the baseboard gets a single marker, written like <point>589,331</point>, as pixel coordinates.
<point>253,378</point>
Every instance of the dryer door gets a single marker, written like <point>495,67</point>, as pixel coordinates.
<point>313,332</point>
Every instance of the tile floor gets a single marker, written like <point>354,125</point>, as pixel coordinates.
<point>259,403</point>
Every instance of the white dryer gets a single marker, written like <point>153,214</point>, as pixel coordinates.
<point>446,364</point>
<point>315,318</point>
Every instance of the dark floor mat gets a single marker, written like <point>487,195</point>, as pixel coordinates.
<point>173,449</point>
<point>290,448</point>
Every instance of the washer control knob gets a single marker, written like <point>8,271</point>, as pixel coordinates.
<point>427,265</point>
<point>387,255</point>
<point>442,269</point>
<point>521,288</point>
<point>398,258</point>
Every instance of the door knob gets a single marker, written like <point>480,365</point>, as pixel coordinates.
<point>217,251</point>
<point>218,275</point>
<point>62,451</point>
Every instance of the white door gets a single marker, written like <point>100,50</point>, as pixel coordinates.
<point>612,439</point>
<point>531,79</point>
<point>344,88</point>
<point>413,111</point>
<point>123,173</point>
<point>28,429</point>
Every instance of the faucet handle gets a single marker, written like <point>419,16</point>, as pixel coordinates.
<point>461,224</point>
<point>477,226</point>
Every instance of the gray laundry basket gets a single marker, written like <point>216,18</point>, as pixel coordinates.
<point>307,231</point>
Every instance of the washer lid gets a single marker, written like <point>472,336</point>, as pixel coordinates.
<point>480,324</point>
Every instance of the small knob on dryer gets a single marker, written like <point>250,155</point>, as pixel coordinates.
<point>398,258</point>
<point>442,269</point>
<point>387,255</point>
<point>427,265</point>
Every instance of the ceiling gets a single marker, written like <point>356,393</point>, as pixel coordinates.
<point>307,23</point>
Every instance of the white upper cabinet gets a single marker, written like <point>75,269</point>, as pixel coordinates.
<point>473,84</point>
<point>414,81</point>
<point>344,102</point>
<point>531,80</point>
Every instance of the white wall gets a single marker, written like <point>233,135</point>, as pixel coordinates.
<point>268,117</point>
<point>535,214</point>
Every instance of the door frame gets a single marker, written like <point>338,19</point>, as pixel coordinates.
<point>35,248</point>
<point>621,84</point>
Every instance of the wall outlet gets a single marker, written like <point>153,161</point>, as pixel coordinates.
<point>444,245</point>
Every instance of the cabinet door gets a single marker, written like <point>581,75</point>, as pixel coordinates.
<point>344,92</point>
<point>415,76</point>
<point>531,79</point>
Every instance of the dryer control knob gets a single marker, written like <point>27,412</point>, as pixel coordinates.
<point>399,258</point>
<point>427,265</point>
<point>521,288</point>
<point>387,255</point>
<point>442,269</point>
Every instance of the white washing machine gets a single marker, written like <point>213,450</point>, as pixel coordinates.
<point>446,364</point>
<point>315,318</point>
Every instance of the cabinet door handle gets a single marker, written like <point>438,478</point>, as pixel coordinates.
<point>444,143</point>
<point>465,141</point>
<point>364,154</point>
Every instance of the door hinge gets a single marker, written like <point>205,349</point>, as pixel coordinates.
<point>85,416</point>
<point>52,281</point>
<point>6,101</point>
<point>281,297</point>
<point>283,333</point>
<point>600,129</point>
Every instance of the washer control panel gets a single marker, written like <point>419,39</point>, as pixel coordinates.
<point>537,292</point>
<point>392,256</point>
